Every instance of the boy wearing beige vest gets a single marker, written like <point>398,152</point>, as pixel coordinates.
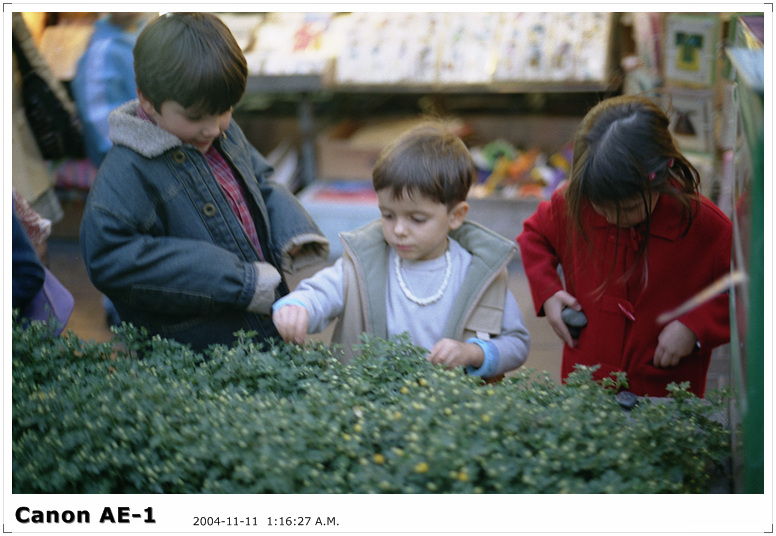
<point>420,269</point>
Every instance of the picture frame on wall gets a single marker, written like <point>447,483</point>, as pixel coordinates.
<point>691,115</point>
<point>690,49</point>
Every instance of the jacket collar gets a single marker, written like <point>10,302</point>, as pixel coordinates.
<point>495,250</point>
<point>667,220</point>
<point>129,129</point>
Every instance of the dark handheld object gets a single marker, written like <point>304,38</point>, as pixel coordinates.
<point>627,400</point>
<point>575,321</point>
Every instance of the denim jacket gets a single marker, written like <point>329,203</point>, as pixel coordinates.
<point>160,239</point>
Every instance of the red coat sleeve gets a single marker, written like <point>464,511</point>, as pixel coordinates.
<point>711,321</point>
<point>539,245</point>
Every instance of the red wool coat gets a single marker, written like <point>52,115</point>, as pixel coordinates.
<point>622,331</point>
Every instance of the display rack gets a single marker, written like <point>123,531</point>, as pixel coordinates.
<point>421,54</point>
<point>307,86</point>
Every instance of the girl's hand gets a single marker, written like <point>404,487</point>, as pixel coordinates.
<point>291,321</point>
<point>452,353</point>
<point>674,342</point>
<point>552,308</point>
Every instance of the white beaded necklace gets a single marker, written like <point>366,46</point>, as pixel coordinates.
<point>431,299</point>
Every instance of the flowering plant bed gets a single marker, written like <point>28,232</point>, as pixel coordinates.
<point>147,415</point>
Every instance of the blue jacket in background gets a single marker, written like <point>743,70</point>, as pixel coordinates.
<point>160,239</point>
<point>104,79</point>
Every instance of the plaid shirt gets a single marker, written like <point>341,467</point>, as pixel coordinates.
<point>230,185</point>
<point>235,194</point>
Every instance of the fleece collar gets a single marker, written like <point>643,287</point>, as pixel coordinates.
<point>142,136</point>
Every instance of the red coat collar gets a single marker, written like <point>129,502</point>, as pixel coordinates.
<point>667,220</point>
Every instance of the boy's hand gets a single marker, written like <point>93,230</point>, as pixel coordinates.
<point>552,309</point>
<point>291,321</point>
<point>452,353</point>
<point>674,342</point>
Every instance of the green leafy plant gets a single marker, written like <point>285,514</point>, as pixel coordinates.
<point>148,415</point>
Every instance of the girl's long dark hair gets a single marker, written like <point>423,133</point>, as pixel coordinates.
<point>623,149</point>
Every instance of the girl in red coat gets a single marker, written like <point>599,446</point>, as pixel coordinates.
<point>635,239</point>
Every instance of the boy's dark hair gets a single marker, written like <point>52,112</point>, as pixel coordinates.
<point>427,159</point>
<point>192,59</point>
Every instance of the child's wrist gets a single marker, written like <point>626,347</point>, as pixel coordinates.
<point>475,354</point>
<point>283,302</point>
<point>489,361</point>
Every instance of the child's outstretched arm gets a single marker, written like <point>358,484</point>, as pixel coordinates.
<point>312,306</point>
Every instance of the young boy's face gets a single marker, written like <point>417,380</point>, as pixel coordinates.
<point>416,227</point>
<point>190,127</point>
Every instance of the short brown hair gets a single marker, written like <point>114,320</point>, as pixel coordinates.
<point>192,59</point>
<point>427,159</point>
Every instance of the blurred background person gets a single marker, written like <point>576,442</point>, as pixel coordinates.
<point>105,77</point>
<point>31,176</point>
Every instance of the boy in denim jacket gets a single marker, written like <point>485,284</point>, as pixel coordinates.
<point>182,229</point>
